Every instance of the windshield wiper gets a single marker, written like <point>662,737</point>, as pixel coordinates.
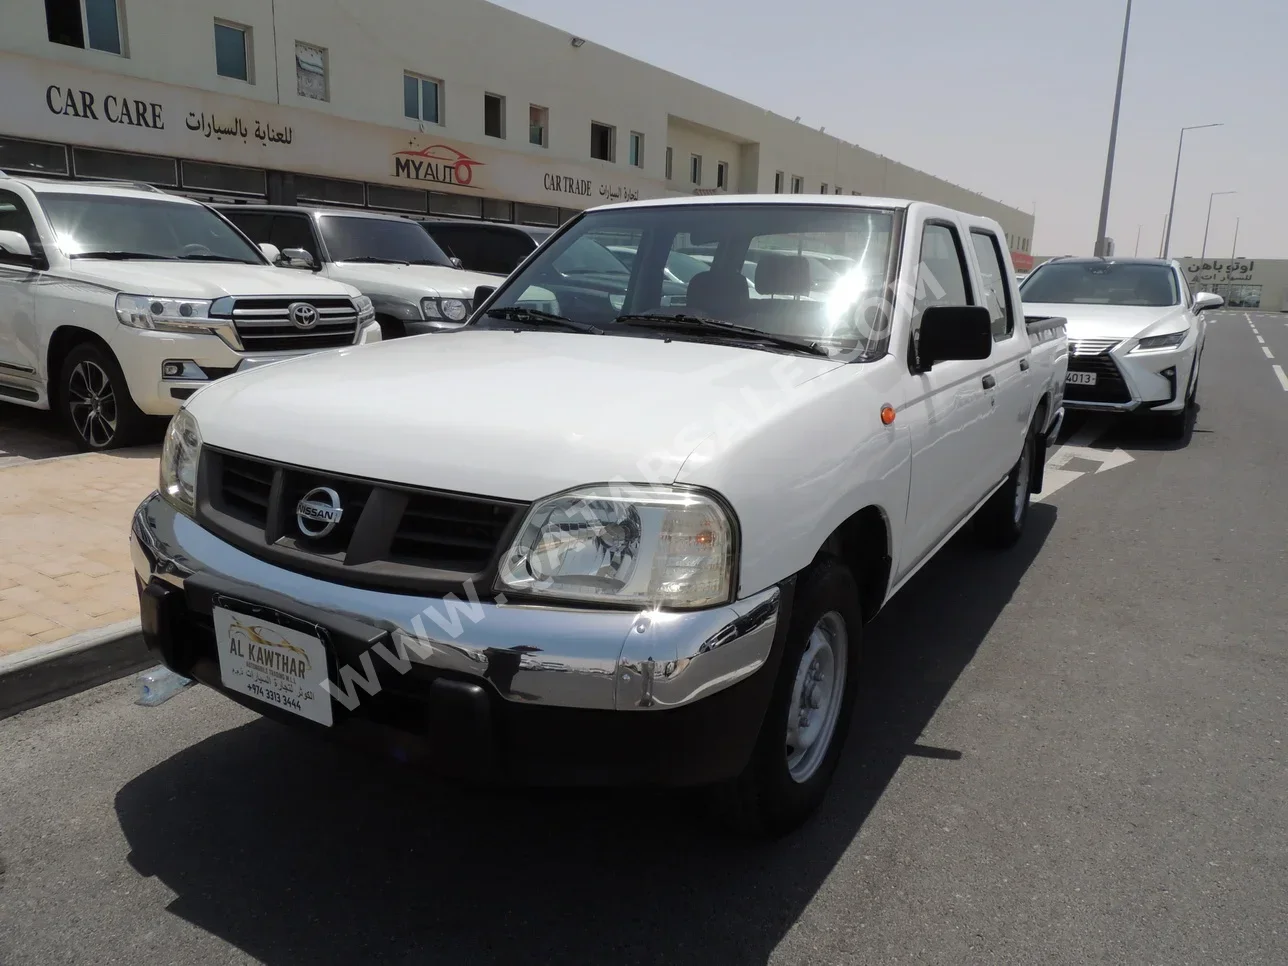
<point>429,261</point>
<point>124,256</point>
<point>702,324</point>
<point>212,257</point>
<point>514,313</point>
<point>377,261</point>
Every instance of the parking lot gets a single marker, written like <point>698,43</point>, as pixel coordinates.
<point>1070,753</point>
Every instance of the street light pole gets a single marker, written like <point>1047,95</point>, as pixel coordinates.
<point>1138,228</point>
<point>1113,140</point>
<point>1209,218</point>
<point>1234,251</point>
<point>1171,209</point>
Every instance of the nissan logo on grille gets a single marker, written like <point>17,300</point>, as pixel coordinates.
<point>319,512</point>
<point>303,315</point>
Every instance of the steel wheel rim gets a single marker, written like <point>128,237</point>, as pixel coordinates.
<point>92,403</point>
<point>817,695</point>
<point>1022,481</point>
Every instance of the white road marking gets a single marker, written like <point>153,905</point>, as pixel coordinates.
<point>1261,340</point>
<point>1056,477</point>
<point>1266,350</point>
<point>1283,379</point>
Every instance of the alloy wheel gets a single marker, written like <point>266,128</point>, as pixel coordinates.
<point>91,402</point>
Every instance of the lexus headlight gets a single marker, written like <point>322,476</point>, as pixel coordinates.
<point>366,311</point>
<point>648,545</point>
<point>156,312</point>
<point>179,456</point>
<point>1169,341</point>
<point>449,310</point>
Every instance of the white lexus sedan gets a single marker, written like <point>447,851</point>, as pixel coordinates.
<point>1136,334</point>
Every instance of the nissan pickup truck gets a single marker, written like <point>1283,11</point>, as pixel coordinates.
<point>118,302</point>
<point>414,285</point>
<point>642,545</point>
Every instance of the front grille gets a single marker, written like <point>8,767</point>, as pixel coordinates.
<point>264,324</point>
<point>1091,347</point>
<point>1109,387</point>
<point>387,535</point>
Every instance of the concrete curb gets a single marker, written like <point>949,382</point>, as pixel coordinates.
<point>51,671</point>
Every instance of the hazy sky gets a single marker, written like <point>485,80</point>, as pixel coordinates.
<point>1011,98</point>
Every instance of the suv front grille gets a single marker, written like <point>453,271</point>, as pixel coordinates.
<point>1109,387</point>
<point>265,324</point>
<point>387,535</point>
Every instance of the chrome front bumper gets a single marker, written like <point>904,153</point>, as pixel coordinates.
<point>552,656</point>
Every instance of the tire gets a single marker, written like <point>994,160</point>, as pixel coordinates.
<point>391,328</point>
<point>94,400</point>
<point>1175,425</point>
<point>783,784</point>
<point>1000,522</point>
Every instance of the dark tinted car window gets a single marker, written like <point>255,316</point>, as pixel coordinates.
<point>494,250</point>
<point>255,224</point>
<point>294,231</point>
<point>1102,283</point>
<point>383,239</point>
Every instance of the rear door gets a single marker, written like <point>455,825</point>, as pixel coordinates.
<point>948,408</point>
<point>1009,365</point>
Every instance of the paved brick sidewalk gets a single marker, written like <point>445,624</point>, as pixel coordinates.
<point>64,552</point>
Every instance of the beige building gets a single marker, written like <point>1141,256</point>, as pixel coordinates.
<point>451,107</point>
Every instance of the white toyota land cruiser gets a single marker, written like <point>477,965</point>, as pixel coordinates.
<point>642,544</point>
<point>118,302</point>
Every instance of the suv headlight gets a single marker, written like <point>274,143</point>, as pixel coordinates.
<point>450,310</point>
<point>1169,341</point>
<point>366,311</point>
<point>660,546</point>
<point>158,312</point>
<point>179,457</point>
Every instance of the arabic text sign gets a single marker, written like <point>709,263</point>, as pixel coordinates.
<point>1235,270</point>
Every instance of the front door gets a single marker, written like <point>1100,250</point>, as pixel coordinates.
<point>948,407</point>
<point>19,343</point>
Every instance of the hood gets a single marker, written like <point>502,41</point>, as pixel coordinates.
<point>202,280</point>
<point>1113,321</point>
<point>513,415</point>
<point>411,282</point>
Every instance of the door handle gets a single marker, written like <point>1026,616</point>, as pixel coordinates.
<point>1024,365</point>
<point>989,382</point>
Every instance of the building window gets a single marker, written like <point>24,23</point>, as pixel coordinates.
<point>603,141</point>
<point>695,168</point>
<point>538,122</point>
<point>722,175</point>
<point>232,51</point>
<point>422,98</point>
<point>310,72</point>
<point>823,190</point>
<point>669,163</point>
<point>494,115</point>
<point>778,182</point>
<point>95,24</point>
<point>37,156</point>
<point>838,190</point>
<point>637,149</point>
<point>798,184</point>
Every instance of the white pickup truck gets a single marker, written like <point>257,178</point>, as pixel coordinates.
<point>642,543</point>
<point>118,302</point>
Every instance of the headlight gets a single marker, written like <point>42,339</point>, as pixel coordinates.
<point>649,545</point>
<point>451,310</point>
<point>1169,341</point>
<point>366,311</point>
<point>179,456</point>
<point>157,312</point>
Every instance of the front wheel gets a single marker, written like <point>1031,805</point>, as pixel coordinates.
<point>1001,522</point>
<point>809,713</point>
<point>95,401</point>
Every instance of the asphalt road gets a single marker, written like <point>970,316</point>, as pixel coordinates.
<point>1070,753</point>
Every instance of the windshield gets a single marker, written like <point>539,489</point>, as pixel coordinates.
<point>756,266</point>
<point>1102,283</point>
<point>91,225</point>
<point>380,239</point>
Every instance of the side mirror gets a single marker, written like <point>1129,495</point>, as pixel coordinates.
<point>1206,300</point>
<point>482,293</point>
<point>954,332</point>
<point>297,258</point>
<point>457,262</point>
<point>15,245</point>
<point>271,252</point>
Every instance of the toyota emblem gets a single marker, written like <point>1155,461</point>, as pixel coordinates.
<point>303,315</point>
<point>319,512</point>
